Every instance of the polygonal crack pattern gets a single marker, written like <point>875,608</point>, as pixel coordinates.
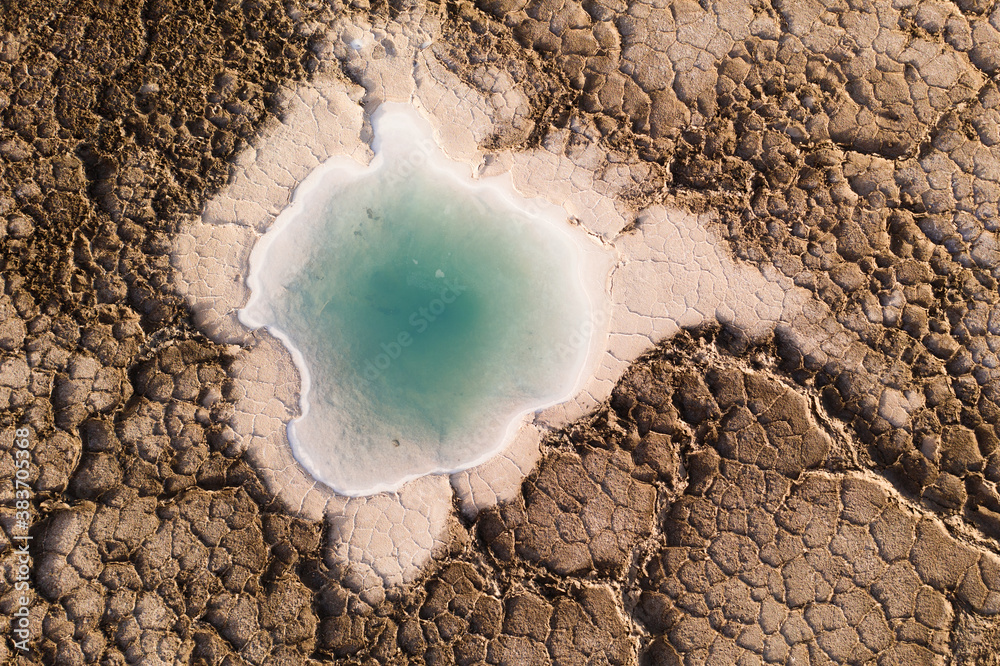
<point>769,556</point>
<point>718,510</point>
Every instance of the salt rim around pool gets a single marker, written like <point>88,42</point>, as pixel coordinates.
<point>403,143</point>
<point>669,271</point>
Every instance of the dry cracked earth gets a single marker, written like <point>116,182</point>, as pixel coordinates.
<point>736,501</point>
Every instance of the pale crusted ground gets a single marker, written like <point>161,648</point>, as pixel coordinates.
<point>668,273</point>
<point>825,491</point>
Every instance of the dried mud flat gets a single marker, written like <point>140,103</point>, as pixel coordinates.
<point>735,501</point>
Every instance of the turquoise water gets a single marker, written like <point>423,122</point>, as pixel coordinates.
<point>427,314</point>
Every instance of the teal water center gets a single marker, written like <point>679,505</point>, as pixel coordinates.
<point>427,312</point>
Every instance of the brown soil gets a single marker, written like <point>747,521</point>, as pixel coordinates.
<point>734,502</point>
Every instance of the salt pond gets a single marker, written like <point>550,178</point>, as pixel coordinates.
<point>427,312</point>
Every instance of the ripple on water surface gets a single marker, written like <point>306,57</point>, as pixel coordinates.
<point>427,312</point>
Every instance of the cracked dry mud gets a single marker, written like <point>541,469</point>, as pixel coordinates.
<point>802,497</point>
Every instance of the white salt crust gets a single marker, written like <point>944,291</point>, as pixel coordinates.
<point>669,271</point>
